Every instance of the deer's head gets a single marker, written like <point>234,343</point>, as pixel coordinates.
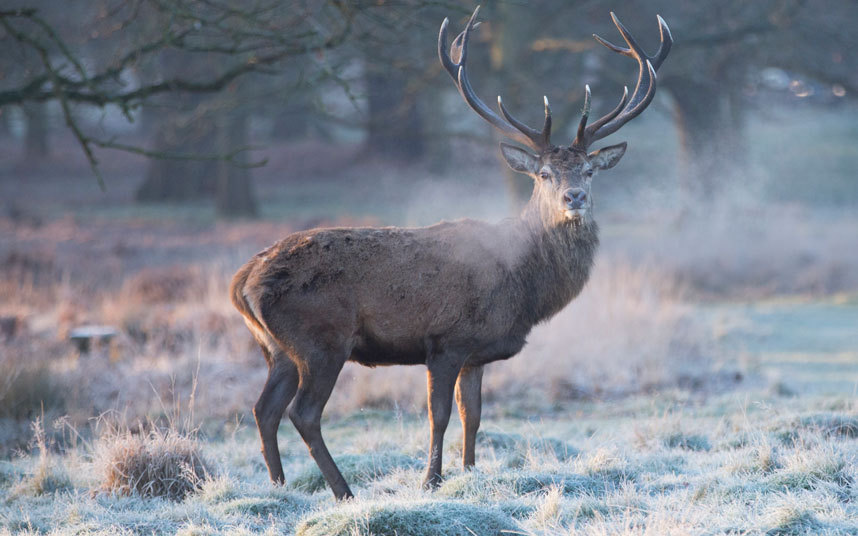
<point>562,177</point>
<point>562,174</point>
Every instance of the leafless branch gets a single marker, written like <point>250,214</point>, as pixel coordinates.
<point>251,39</point>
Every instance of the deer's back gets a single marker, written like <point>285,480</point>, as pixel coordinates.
<point>388,292</point>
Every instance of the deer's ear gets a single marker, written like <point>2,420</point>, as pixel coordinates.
<point>607,157</point>
<point>519,159</point>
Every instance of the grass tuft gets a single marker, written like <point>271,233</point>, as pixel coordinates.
<point>693,442</point>
<point>516,449</point>
<point>805,470</point>
<point>831,424</point>
<point>357,469</point>
<point>260,506</point>
<point>477,485</point>
<point>160,463</point>
<point>412,518</point>
<point>789,520</point>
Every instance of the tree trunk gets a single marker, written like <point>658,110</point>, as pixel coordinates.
<point>198,125</point>
<point>438,148</point>
<point>181,180</point>
<point>172,180</point>
<point>292,121</point>
<point>395,126</point>
<point>711,136</point>
<point>36,139</point>
<point>234,196</point>
<point>510,49</point>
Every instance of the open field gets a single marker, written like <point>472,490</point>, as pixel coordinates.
<point>667,464</point>
<point>700,415</point>
<point>709,388</point>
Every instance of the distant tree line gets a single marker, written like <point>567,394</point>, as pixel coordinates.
<point>193,73</point>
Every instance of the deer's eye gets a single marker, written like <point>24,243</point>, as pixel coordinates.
<point>544,175</point>
<point>589,173</point>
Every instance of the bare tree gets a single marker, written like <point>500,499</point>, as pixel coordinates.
<point>215,43</point>
<point>714,73</point>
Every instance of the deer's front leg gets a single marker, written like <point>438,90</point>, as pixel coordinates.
<point>469,400</point>
<point>441,380</point>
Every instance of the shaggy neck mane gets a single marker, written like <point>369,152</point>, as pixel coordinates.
<point>556,264</point>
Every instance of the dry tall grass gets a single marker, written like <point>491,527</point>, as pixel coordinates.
<point>48,475</point>
<point>158,463</point>
<point>629,331</point>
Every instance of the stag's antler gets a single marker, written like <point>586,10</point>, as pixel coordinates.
<point>509,126</point>
<point>627,109</point>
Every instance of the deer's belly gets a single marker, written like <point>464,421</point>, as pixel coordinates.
<point>371,351</point>
<point>374,350</point>
<point>496,350</point>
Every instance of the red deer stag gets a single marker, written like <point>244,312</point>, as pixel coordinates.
<point>453,296</point>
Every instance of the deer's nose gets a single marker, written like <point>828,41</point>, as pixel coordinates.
<point>575,198</point>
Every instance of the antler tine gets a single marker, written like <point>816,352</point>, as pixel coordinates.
<point>450,65</point>
<point>581,136</point>
<point>644,91</point>
<point>458,49</point>
<point>529,132</point>
<point>666,41</point>
<point>612,114</point>
<point>543,136</point>
<point>454,63</point>
<point>634,50</point>
<point>630,111</point>
<point>546,125</point>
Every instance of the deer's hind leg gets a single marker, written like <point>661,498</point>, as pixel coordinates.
<point>318,374</point>
<point>279,390</point>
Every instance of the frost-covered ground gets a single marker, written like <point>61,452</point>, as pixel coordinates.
<point>668,464</point>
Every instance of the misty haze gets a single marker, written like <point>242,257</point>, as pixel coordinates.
<point>658,338</point>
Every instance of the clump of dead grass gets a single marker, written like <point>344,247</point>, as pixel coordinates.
<point>159,463</point>
<point>155,285</point>
<point>516,451</point>
<point>154,461</point>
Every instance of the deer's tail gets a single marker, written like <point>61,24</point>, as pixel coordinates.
<point>239,298</point>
